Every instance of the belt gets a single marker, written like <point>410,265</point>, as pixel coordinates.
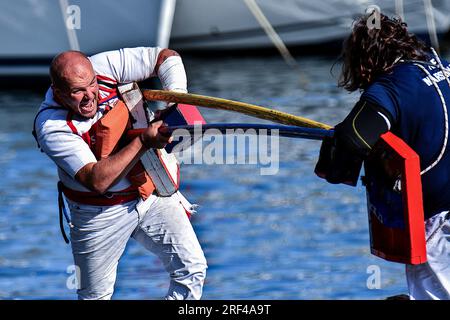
<point>96,199</point>
<point>91,198</point>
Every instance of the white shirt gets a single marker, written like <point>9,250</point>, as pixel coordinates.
<point>68,150</point>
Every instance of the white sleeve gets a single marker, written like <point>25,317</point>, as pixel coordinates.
<point>172,74</point>
<point>67,150</point>
<point>128,64</point>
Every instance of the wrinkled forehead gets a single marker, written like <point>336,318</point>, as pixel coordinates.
<point>78,73</point>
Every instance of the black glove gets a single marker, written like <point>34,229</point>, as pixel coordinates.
<point>341,156</point>
<point>336,164</point>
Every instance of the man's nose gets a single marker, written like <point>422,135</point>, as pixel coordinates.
<point>90,94</point>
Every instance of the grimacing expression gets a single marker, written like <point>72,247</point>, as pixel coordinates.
<point>79,91</point>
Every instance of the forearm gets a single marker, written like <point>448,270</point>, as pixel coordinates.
<point>101,175</point>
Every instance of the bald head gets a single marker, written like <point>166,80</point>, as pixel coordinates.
<point>74,83</point>
<point>67,65</point>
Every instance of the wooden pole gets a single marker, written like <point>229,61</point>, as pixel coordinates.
<point>230,105</point>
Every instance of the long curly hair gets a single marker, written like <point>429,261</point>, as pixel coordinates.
<point>369,52</point>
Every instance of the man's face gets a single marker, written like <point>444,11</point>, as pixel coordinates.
<point>79,91</point>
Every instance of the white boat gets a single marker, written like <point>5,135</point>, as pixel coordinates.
<point>230,25</point>
<point>33,31</point>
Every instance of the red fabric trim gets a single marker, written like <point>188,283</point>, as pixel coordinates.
<point>85,136</point>
<point>101,77</point>
<point>70,124</point>
<point>110,96</point>
<point>190,113</point>
<point>187,213</point>
<point>158,153</point>
<point>107,89</point>
<point>103,100</point>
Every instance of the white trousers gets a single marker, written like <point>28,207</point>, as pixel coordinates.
<point>160,224</point>
<point>431,280</point>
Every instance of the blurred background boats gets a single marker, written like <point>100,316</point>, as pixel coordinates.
<point>32,32</point>
<point>230,25</point>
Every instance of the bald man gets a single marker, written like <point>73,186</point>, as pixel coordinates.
<point>105,209</point>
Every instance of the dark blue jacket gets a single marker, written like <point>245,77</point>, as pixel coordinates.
<point>409,96</point>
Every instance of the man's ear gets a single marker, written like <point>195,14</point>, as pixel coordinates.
<point>56,93</point>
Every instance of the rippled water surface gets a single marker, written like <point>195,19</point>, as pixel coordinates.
<point>283,236</point>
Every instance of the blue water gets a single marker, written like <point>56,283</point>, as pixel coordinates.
<point>284,236</point>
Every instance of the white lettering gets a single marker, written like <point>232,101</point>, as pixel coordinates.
<point>206,311</point>
<point>427,81</point>
<point>73,281</point>
<point>73,20</point>
<point>374,280</point>
<point>236,146</point>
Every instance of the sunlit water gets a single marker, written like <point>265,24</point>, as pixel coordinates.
<point>284,236</point>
